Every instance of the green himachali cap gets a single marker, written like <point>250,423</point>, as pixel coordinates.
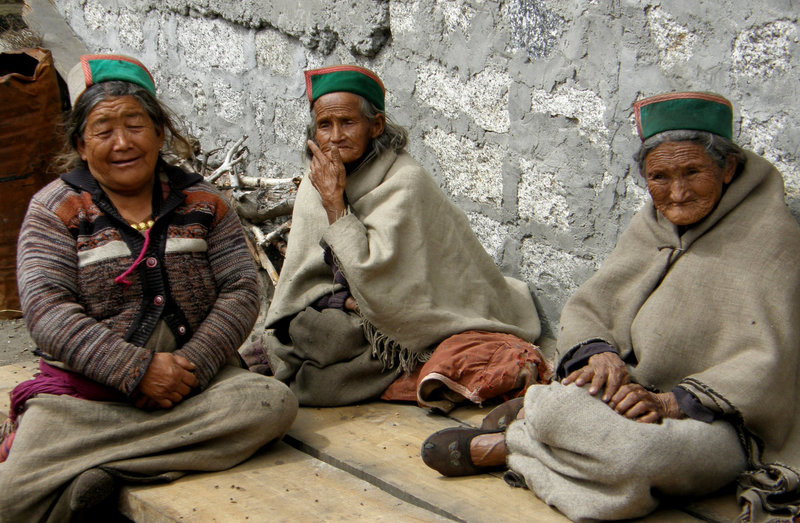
<point>347,78</point>
<point>97,68</point>
<point>685,110</point>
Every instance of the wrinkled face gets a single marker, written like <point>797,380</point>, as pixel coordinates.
<point>339,122</point>
<point>120,144</point>
<point>684,182</point>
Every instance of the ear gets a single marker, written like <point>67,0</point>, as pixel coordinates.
<point>730,169</point>
<point>80,145</point>
<point>377,126</point>
<point>161,136</point>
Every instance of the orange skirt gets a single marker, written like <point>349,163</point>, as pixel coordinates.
<point>473,366</point>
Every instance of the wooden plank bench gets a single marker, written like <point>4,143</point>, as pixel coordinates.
<point>353,463</point>
<point>380,442</point>
<point>279,483</point>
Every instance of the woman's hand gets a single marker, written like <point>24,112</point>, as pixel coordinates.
<point>328,176</point>
<point>604,370</point>
<point>350,304</point>
<point>168,379</point>
<point>637,403</point>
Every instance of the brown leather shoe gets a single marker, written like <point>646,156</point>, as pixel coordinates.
<point>447,451</point>
<point>500,417</point>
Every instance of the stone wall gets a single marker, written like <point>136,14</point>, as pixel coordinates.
<point>521,109</point>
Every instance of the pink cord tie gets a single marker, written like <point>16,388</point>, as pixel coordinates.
<point>122,278</point>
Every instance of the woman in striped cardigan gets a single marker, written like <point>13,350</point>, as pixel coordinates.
<point>137,287</point>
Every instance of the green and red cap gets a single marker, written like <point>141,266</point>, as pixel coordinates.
<point>346,78</point>
<point>97,68</point>
<point>684,110</point>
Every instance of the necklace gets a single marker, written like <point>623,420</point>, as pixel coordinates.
<point>143,226</point>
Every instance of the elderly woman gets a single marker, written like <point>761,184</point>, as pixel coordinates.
<point>137,286</point>
<point>683,346</point>
<point>386,291</point>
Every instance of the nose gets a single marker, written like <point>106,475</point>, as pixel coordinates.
<point>336,133</point>
<point>678,190</point>
<point>121,139</point>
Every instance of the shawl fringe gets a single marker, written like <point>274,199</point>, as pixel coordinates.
<point>699,390</point>
<point>770,493</point>
<point>384,348</point>
<point>389,352</point>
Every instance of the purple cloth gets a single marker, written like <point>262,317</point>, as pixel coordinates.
<point>692,407</point>
<point>52,380</point>
<point>578,357</point>
<point>337,299</point>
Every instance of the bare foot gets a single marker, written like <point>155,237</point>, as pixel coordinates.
<point>488,450</point>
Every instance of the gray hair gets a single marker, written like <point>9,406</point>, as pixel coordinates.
<point>177,141</point>
<point>394,136</point>
<point>717,147</point>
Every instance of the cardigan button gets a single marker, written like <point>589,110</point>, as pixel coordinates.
<point>151,262</point>
<point>181,330</point>
<point>158,300</point>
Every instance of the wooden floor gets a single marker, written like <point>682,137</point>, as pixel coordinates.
<point>358,463</point>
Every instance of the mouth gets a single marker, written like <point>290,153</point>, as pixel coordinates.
<point>125,162</point>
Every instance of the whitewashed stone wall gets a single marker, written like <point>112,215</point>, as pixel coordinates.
<point>521,109</point>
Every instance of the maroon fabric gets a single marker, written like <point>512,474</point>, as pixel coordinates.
<point>52,380</point>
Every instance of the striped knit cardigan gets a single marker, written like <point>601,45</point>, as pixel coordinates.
<point>196,273</point>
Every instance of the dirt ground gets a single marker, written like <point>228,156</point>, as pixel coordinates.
<point>16,345</point>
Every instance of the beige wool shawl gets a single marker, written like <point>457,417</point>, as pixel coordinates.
<point>715,311</point>
<point>413,264</point>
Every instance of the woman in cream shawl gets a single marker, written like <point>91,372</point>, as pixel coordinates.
<point>691,328</point>
<point>381,269</point>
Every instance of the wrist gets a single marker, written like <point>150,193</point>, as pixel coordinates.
<point>669,405</point>
<point>335,213</point>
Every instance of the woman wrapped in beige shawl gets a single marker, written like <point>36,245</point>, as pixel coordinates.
<point>683,346</point>
<point>386,291</point>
